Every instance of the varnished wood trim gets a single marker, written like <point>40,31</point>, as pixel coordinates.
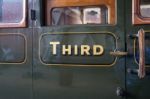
<point>137,18</point>
<point>141,71</point>
<point>110,4</point>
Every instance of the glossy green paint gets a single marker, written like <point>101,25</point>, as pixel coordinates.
<point>35,80</point>
<point>136,88</point>
<point>77,82</point>
<point>16,75</point>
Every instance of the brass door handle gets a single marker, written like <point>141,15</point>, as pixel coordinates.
<point>118,53</point>
<point>141,39</point>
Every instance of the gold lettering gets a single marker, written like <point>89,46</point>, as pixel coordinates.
<point>98,50</point>
<point>66,50</point>
<point>85,50</point>
<point>54,47</point>
<point>75,50</point>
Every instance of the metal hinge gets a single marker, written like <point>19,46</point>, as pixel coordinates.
<point>33,15</point>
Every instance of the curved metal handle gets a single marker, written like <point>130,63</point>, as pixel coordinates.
<point>141,39</point>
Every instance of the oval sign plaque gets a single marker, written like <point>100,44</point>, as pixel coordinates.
<point>77,49</point>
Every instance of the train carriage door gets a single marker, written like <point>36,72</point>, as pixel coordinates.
<point>138,46</point>
<point>15,50</point>
<point>78,48</point>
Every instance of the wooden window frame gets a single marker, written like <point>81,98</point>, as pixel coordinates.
<point>137,18</point>
<point>22,23</point>
<point>110,4</point>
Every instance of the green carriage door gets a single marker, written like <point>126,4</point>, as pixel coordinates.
<point>76,49</point>
<point>138,46</point>
<point>15,50</point>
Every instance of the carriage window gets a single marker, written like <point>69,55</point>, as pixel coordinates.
<point>145,8</point>
<point>70,12</point>
<point>141,12</point>
<point>79,15</point>
<point>12,13</point>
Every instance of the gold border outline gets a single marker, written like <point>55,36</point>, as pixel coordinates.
<point>60,33</point>
<point>25,57</point>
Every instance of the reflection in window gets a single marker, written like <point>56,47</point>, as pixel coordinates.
<point>79,15</point>
<point>145,8</point>
<point>11,11</point>
<point>92,15</point>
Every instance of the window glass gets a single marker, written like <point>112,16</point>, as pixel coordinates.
<point>79,15</point>
<point>11,11</point>
<point>92,15</point>
<point>145,8</point>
